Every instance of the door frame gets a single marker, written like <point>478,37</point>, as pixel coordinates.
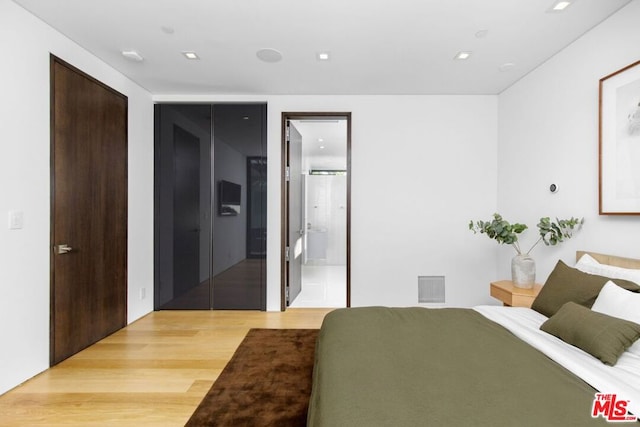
<point>284,191</point>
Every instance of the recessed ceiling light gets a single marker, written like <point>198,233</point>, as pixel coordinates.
<point>269,55</point>
<point>463,55</point>
<point>190,55</point>
<point>132,55</point>
<point>323,56</point>
<point>480,34</point>
<point>245,118</point>
<point>320,140</point>
<point>559,6</point>
<point>322,147</point>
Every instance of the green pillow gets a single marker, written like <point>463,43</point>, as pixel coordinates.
<point>601,336</point>
<point>566,284</point>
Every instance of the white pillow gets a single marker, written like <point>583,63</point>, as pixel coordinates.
<point>620,303</point>
<point>587,264</point>
<point>587,259</point>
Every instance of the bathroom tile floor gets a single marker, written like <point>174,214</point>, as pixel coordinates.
<point>322,286</point>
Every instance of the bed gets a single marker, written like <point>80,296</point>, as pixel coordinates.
<point>485,366</point>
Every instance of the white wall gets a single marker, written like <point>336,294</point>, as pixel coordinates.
<point>25,43</point>
<point>548,132</point>
<point>422,167</point>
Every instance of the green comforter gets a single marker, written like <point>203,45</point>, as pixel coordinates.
<point>437,367</point>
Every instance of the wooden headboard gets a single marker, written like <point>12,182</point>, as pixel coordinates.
<point>611,259</point>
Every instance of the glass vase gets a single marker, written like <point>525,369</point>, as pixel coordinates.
<point>523,271</point>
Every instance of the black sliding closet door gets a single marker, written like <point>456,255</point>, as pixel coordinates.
<point>186,211</point>
<point>210,206</point>
<point>238,271</point>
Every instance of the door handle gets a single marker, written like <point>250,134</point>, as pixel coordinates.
<point>63,249</point>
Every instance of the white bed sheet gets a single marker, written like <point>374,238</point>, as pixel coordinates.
<point>622,379</point>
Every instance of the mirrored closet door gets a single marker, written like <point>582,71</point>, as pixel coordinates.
<point>210,206</point>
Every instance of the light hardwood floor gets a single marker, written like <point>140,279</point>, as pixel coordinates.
<point>154,372</point>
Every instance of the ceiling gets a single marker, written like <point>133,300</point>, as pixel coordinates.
<point>376,46</point>
<point>324,143</point>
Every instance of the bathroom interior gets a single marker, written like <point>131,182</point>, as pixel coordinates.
<point>324,243</point>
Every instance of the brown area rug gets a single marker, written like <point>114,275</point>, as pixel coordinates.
<point>267,382</point>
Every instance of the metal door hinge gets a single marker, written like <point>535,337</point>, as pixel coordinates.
<point>286,253</point>
<point>286,294</point>
<point>287,173</point>
<point>287,133</point>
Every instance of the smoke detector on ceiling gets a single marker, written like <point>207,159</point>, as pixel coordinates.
<point>132,55</point>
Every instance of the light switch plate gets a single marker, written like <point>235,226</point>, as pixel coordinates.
<point>16,220</point>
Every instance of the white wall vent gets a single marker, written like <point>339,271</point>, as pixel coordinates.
<point>430,289</point>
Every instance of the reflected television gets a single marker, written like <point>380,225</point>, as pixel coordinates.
<point>229,195</point>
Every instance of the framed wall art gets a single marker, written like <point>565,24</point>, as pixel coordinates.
<point>620,142</point>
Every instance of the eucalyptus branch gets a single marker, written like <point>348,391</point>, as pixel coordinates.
<point>551,232</point>
<point>534,245</point>
<point>516,246</point>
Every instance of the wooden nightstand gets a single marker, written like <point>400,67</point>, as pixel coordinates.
<point>512,296</point>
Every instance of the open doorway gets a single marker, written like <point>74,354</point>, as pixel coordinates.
<point>316,210</point>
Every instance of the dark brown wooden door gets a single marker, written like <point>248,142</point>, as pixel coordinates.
<point>89,210</point>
